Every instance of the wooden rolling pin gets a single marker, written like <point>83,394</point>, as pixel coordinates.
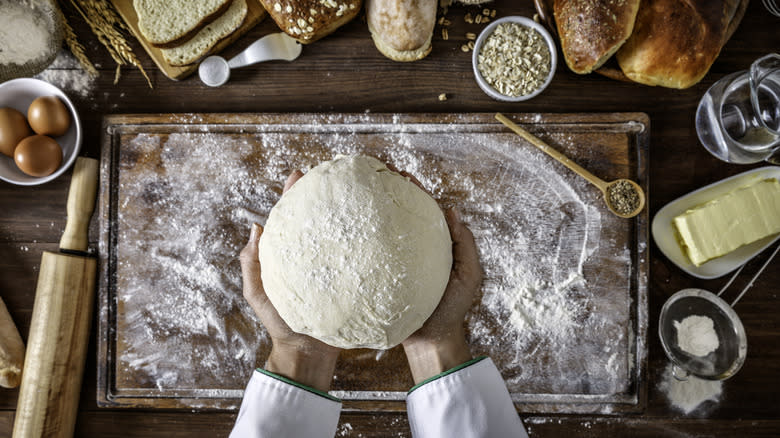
<point>59,331</point>
<point>11,350</point>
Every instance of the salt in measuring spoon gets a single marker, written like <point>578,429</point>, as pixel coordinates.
<point>607,188</point>
<point>215,70</point>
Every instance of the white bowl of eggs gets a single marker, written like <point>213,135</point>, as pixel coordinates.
<point>40,132</point>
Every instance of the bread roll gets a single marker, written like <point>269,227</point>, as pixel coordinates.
<point>593,30</point>
<point>402,29</point>
<point>675,42</point>
<point>309,20</point>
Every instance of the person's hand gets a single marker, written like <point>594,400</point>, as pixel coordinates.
<point>440,344</point>
<point>293,355</point>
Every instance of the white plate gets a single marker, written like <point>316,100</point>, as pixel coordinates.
<point>664,234</point>
<point>19,94</point>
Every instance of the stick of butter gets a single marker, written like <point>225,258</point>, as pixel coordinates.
<point>725,223</point>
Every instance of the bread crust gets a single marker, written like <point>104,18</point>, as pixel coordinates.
<point>309,20</point>
<point>402,30</point>
<point>591,31</point>
<point>676,41</point>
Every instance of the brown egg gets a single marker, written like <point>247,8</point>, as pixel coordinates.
<point>38,155</point>
<point>48,116</point>
<point>13,128</point>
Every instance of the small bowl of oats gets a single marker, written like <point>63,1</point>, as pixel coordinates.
<point>514,59</point>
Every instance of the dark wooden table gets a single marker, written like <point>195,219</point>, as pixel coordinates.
<point>345,73</point>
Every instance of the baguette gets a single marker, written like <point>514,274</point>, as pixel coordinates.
<point>11,350</point>
<point>402,30</point>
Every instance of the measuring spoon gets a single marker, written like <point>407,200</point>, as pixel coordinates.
<point>215,70</point>
<point>604,186</point>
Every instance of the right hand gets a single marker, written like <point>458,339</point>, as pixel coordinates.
<point>440,344</point>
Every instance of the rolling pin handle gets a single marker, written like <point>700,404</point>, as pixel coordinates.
<point>81,204</point>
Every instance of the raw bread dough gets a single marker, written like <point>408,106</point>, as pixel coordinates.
<point>355,254</point>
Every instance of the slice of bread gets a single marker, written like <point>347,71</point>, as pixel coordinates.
<point>200,44</point>
<point>169,23</point>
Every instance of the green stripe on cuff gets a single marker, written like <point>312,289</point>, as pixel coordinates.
<point>448,372</point>
<point>299,385</point>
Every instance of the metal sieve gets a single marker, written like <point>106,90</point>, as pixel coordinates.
<point>728,358</point>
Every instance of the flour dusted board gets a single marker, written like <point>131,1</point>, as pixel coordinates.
<point>562,311</point>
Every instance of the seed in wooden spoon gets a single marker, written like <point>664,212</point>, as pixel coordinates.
<point>623,197</point>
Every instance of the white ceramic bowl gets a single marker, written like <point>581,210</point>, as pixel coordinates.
<point>523,21</point>
<point>19,94</point>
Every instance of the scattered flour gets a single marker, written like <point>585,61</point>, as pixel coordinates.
<point>696,335</point>
<point>688,395</point>
<point>66,73</point>
<point>25,35</point>
<point>555,311</point>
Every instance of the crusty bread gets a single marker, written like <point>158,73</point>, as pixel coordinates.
<point>676,41</point>
<point>170,23</point>
<point>402,29</point>
<point>591,31</point>
<point>200,44</point>
<point>11,350</point>
<point>309,20</point>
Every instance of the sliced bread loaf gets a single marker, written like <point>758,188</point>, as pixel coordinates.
<point>169,23</point>
<point>199,45</point>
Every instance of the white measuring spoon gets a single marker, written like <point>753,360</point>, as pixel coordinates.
<point>215,70</point>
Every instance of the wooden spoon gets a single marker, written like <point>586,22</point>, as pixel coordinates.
<point>606,188</point>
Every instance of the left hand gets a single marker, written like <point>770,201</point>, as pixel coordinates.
<point>293,355</point>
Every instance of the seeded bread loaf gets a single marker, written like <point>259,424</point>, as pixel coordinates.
<point>199,45</point>
<point>170,23</point>
<point>402,29</point>
<point>309,20</point>
<point>591,31</point>
<point>676,41</point>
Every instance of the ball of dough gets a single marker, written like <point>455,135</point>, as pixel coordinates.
<point>355,255</point>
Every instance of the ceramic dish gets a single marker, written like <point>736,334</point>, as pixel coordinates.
<point>526,22</point>
<point>664,234</point>
<point>19,94</point>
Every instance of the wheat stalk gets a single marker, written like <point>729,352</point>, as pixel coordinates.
<point>104,23</point>
<point>75,46</point>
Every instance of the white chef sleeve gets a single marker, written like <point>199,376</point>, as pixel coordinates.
<point>470,400</point>
<point>275,406</point>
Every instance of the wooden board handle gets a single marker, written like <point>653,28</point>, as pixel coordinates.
<point>81,204</point>
<point>57,347</point>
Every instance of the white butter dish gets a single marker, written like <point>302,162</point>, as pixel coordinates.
<point>664,234</point>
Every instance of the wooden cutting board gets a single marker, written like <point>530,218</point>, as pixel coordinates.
<point>562,310</point>
<point>254,15</point>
